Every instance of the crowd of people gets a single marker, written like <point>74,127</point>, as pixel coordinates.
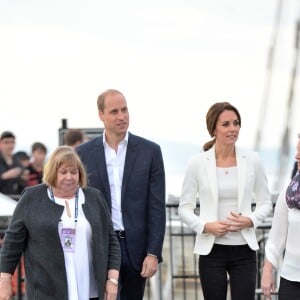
<point>21,169</point>
<point>90,221</point>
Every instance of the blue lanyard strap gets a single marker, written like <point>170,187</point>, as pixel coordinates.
<point>76,201</point>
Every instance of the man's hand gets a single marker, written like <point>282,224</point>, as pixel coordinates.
<point>150,266</point>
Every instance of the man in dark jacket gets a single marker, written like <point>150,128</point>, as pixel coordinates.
<point>129,171</point>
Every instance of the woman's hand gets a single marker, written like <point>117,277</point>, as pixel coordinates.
<point>111,291</point>
<point>5,288</point>
<point>217,228</point>
<point>267,280</point>
<point>238,222</point>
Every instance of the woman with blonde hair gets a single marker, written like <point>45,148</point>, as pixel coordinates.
<point>65,231</point>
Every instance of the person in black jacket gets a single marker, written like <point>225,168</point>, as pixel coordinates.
<point>12,181</point>
<point>129,171</point>
<point>65,231</point>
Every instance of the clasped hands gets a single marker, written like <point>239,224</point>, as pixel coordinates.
<point>235,222</point>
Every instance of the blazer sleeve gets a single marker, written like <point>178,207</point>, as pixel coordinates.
<point>15,238</point>
<point>114,252</point>
<point>261,193</point>
<point>156,206</point>
<point>188,199</point>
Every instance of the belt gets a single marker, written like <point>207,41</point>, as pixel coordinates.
<point>120,234</point>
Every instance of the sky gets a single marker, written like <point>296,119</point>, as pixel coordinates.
<point>172,59</point>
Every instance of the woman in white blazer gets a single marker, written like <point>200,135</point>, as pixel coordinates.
<point>227,180</point>
<point>283,245</point>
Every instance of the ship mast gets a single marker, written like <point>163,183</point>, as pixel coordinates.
<point>285,142</point>
<point>268,76</point>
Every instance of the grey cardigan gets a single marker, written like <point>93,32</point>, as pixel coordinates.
<point>34,231</point>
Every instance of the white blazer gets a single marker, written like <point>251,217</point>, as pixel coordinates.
<point>201,182</point>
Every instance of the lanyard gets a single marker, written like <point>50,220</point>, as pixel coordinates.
<point>76,201</point>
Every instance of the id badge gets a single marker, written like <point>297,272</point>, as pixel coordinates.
<point>67,238</point>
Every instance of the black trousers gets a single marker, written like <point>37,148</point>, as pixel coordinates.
<point>236,262</point>
<point>131,283</point>
<point>288,290</point>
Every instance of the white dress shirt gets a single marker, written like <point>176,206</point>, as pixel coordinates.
<point>115,162</point>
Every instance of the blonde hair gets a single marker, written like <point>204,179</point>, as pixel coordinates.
<point>63,155</point>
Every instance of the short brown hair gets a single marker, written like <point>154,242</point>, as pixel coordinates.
<point>38,146</point>
<point>212,117</point>
<point>63,155</point>
<point>72,136</point>
<point>101,98</point>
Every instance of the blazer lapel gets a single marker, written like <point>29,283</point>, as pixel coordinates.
<point>212,174</point>
<point>129,163</point>
<point>99,160</point>
<point>241,161</point>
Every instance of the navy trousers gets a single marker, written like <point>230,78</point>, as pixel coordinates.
<point>131,283</point>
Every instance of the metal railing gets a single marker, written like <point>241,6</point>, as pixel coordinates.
<point>177,277</point>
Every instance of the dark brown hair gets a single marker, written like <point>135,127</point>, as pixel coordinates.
<point>212,117</point>
<point>38,146</point>
<point>73,136</point>
<point>7,134</point>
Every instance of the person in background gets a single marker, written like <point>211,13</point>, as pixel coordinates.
<point>282,248</point>
<point>34,174</point>
<point>36,166</point>
<point>74,137</point>
<point>295,169</point>
<point>65,231</point>
<point>11,171</point>
<point>129,171</point>
<point>225,178</point>
<point>22,158</point>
